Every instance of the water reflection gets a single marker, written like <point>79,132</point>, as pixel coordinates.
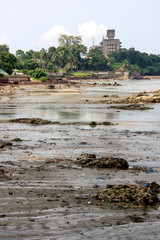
<point>62,107</point>
<point>69,115</point>
<point>111,115</point>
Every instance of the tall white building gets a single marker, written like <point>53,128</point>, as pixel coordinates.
<point>109,43</point>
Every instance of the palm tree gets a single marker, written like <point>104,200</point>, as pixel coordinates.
<point>43,54</point>
<point>43,57</point>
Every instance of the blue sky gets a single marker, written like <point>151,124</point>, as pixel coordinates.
<point>33,24</point>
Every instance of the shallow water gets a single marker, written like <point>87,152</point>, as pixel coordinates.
<point>146,120</point>
<point>67,140</point>
<point>65,105</point>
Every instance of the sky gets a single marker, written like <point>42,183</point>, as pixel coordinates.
<point>36,24</point>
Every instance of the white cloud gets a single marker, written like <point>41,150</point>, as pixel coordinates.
<point>89,30</point>
<point>4,40</point>
<point>51,37</point>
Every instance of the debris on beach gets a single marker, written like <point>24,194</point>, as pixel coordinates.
<point>2,175</point>
<point>4,144</point>
<point>137,219</point>
<point>129,194</point>
<point>143,169</point>
<point>90,160</point>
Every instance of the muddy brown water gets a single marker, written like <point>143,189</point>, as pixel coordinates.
<point>42,200</point>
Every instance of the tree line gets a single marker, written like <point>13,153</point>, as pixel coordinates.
<point>135,61</point>
<point>71,54</point>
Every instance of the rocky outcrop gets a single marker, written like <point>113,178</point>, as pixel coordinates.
<point>131,107</point>
<point>90,160</point>
<point>35,121</point>
<point>142,97</point>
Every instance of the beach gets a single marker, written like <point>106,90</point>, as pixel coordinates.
<point>45,193</point>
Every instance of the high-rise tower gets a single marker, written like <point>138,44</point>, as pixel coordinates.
<point>109,43</point>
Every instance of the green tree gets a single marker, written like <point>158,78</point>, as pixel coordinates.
<point>64,58</point>
<point>75,47</point>
<point>60,56</point>
<point>29,54</point>
<point>154,58</point>
<point>51,67</point>
<point>38,73</point>
<point>43,58</point>
<point>134,70</point>
<point>98,61</point>
<point>4,48</point>
<point>119,56</point>
<point>7,62</point>
<point>43,54</point>
<point>20,54</point>
<point>36,55</point>
<point>50,53</point>
<point>69,40</point>
<point>154,70</point>
<point>137,61</point>
<point>30,64</point>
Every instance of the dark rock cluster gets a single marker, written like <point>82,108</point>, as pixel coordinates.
<point>90,160</point>
<point>142,97</point>
<point>35,121</point>
<point>131,107</point>
<point>4,144</point>
<point>130,194</point>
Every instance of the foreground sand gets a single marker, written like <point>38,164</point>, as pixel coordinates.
<point>54,201</point>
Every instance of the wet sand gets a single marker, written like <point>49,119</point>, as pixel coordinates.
<point>45,195</point>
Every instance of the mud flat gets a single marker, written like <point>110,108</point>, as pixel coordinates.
<point>68,179</point>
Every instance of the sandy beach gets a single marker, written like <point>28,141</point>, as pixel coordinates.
<point>45,193</point>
